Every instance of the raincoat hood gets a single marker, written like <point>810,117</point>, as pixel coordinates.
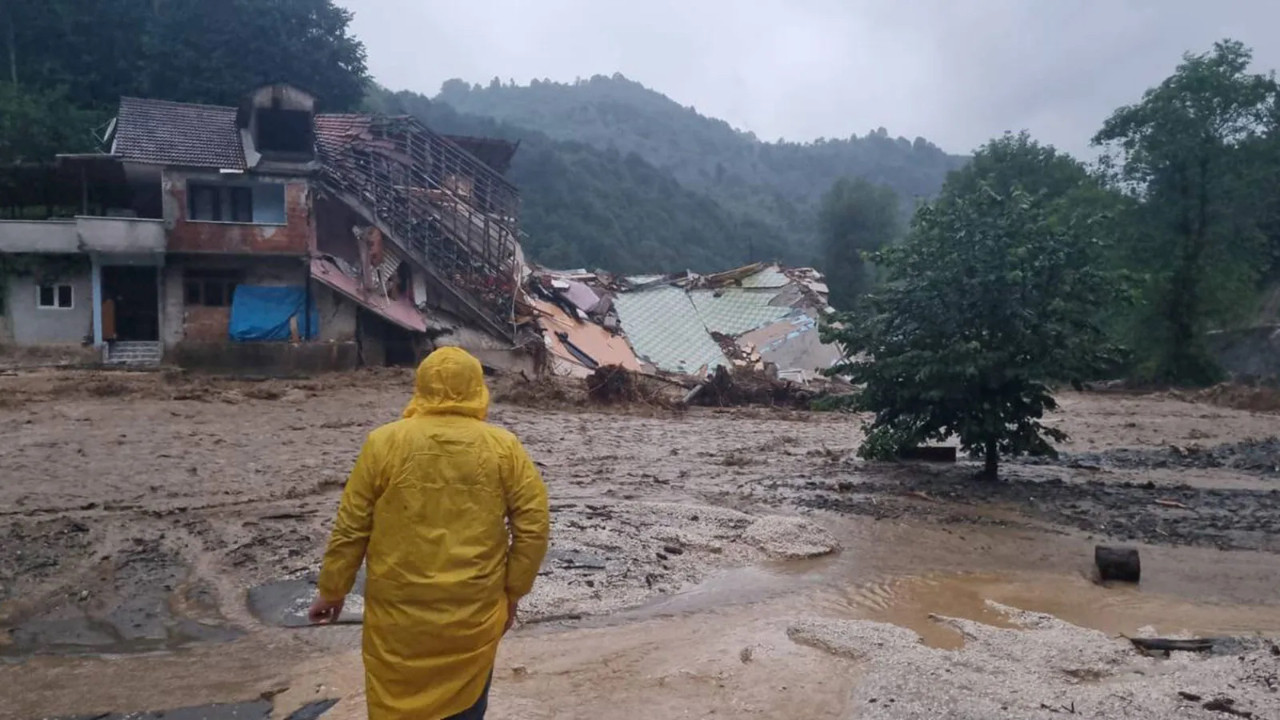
<point>449,382</point>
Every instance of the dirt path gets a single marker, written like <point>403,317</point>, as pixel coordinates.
<point>137,510</point>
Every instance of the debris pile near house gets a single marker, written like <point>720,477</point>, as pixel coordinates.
<point>614,384</point>
<point>749,386</point>
<point>743,336</point>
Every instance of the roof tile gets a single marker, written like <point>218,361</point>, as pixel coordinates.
<point>172,133</point>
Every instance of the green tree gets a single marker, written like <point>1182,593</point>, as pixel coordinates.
<point>200,51</point>
<point>1017,160</point>
<point>856,218</point>
<point>1178,154</point>
<point>36,124</point>
<point>990,300</point>
<point>67,62</point>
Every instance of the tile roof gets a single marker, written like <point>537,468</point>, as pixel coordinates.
<point>172,133</point>
<point>733,311</point>
<point>663,328</point>
<point>770,277</point>
<point>335,130</point>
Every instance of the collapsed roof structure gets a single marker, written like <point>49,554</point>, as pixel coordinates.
<point>758,315</point>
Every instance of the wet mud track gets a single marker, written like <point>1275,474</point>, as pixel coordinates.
<point>174,526</point>
<point>1085,494</point>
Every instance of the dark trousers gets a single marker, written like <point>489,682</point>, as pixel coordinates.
<point>477,711</point>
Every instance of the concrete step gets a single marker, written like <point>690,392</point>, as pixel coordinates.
<point>134,353</point>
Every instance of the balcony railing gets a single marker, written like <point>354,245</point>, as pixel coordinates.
<point>457,215</point>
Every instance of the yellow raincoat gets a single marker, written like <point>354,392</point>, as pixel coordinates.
<point>430,500</point>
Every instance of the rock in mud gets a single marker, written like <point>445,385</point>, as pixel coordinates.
<point>790,538</point>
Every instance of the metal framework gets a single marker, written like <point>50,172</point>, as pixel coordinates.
<point>438,202</point>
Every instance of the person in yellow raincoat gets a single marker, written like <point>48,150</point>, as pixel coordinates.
<point>450,515</point>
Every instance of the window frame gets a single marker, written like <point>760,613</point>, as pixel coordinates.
<point>57,296</point>
<point>202,279</point>
<point>235,198</point>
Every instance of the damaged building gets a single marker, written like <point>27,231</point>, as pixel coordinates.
<point>264,236</point>
<point>269,237</point>
<point>761,316</point>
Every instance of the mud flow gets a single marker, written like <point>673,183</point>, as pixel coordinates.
<point>711,563</point>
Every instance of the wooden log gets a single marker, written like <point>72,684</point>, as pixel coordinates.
<point>1117,563</point>
<point>1166,644</point>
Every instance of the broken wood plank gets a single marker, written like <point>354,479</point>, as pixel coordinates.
<point>1172,645</point>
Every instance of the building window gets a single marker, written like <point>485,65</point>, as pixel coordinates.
<point>55,297</point>
<point>210,288</point>
<point>257,203</point>
<point>285,132</point>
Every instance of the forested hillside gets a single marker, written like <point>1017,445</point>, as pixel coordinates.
<point>779,183</point>
<point>612,175</point>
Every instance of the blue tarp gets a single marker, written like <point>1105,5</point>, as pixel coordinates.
<point>262,313</point>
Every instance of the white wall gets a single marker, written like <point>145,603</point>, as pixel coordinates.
<point>32,325</point>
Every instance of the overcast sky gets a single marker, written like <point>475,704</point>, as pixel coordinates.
<point>954,71</point>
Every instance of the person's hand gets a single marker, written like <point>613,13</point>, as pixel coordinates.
<point>325,611</point>
<point>513,609</point>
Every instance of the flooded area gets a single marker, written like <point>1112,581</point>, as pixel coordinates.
<point>161,533</point>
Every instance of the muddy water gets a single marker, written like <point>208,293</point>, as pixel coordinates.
<point>907,575</point>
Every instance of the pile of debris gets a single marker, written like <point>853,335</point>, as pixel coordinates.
<point>613,384</point>
<point>759,318</point>
<point>749,386</point>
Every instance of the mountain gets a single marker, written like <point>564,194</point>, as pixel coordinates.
<point>777,183</point>
<point>587,207</point>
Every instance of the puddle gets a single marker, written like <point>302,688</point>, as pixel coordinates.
<point>910,602</point>
<point>284,603</point>
<point>956,572</point>
<point>254,710</point>
<point>142,602</point>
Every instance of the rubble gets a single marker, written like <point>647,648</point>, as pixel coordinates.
<point>762,318</point>
<point>749,386</point>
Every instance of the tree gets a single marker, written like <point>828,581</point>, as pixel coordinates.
<point>188,50</point>
<point>303,42</point>
<point>856,218</point>
<point>1017,160</point>
<point>990,300</point>
<point>1177,152</point>
<point>35,124</point>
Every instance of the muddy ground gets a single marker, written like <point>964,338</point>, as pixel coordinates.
<point>704,563</point>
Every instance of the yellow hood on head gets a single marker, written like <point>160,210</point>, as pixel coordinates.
<point>449,382</point>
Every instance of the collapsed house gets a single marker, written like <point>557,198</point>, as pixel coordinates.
<point>760,316</point>
<point>265,236</point>
<point>270,237</point>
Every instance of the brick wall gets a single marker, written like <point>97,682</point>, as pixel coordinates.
<point>295,236</point>
<point>207,324</point>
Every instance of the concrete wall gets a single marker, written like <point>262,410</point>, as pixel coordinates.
<point>32,325</point>
<point>38,236</point>
<point>271,359</point>
<point>337,315</point>
<point>491,351</point>
<point>294,237</point>
<point>172,304</point>
<point>120,235</point>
